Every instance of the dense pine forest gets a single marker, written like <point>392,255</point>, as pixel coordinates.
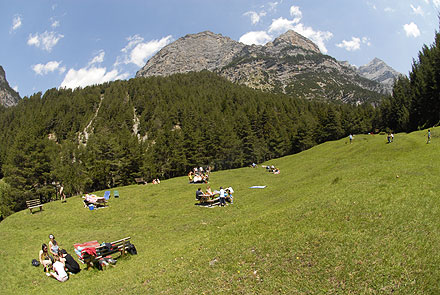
<point>106,135</point>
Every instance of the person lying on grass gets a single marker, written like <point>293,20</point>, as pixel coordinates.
<point>93,199</point>
<point>59,273</point>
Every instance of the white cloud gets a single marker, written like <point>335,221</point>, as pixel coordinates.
<point>255,17</point>
<point>389,9</point>
<point>45,41</point>
<point>436,3</point>
<point>417,10</point>
<point>90,76</point>
<point>16,23</point>
<point>55,24</point>
<point>353,45</point>
<point>15,88</point>
<point>258,38</point>
<point>366,41</point>
<point>273,6</point>
<point>411,30</point>
<point>138,52</point>
<point>295,12</point>
<point>43,69</point>
<point>98,59</point>
<point>281,25</point>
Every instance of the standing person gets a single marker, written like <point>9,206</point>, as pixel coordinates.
<point>62,195</point>
<point>53,246</point>
<point>45,258</point>
<point>351,138</point>
<point>392,137</point>
<point>70,263</point>
<point>429,136</point>
<point>59,272</point>
<point>222,197</point>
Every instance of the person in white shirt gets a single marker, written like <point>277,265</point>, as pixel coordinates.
<point>59,272</point>
<point>222,196</point>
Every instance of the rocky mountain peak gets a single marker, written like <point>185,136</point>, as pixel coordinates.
<point>294,39</point>
<point>377,70</point>
<point>2,75</point>
<point>193,52</point>
<point>8,96</point>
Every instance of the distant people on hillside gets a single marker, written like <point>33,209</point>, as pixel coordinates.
<point>389,138</point>
<point>199,175</point>
<point>351,138</point>
<point>156,181</point>
<point>222,197</point>
<point>429,136</point>
<point>62,194</point>
<point>392,137</point>
<point>199,194</point>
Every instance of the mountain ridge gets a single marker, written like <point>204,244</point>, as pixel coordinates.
<point>8,96</point>
<point>291,64</point>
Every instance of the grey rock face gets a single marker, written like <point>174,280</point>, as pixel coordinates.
<point>377,70</point>
<point>8,96</point>
<point>291,64</point>
<point>203,51</point>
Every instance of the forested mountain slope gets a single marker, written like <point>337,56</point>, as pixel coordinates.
<point>106,135</point>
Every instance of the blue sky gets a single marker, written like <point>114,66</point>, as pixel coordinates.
<point>47,44</point>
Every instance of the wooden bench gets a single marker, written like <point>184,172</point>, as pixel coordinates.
<point>116,246</point>
<point>120,246</point>
<point>140,180</point>
<point>32,204</point>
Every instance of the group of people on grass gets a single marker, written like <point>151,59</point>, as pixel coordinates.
<point>57,263</point>
<point>91,199</point>
<point>222,195</point>
<point>273,169</point>
<point>199,175</point>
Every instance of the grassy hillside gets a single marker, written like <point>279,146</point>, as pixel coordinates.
<point>339,219</point>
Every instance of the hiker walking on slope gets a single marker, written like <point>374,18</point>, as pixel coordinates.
<point>351,138</point>
<point>429,136</point>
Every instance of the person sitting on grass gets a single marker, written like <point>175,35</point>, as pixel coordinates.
<point>209,192</point>
<point>45,258</point>
<point>199,194</point>
<point>229,196</point>
<point>93,199</point>
<point>70,263</point>
<point>53,246</point>
<point>59,273</point>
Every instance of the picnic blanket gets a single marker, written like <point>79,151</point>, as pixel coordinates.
<point>87,247</point>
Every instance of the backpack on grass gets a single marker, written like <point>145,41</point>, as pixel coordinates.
<point>35,262</point>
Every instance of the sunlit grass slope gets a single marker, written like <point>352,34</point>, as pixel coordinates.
<point>341,218</point>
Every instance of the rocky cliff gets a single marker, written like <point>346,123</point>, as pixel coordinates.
<point>291,64</point>
<point>377,70</point>
<point>8,96</point>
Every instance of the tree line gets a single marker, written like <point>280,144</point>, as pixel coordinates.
<point>106,135</point>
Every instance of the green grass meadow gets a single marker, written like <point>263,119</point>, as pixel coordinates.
<point>341,218</point>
